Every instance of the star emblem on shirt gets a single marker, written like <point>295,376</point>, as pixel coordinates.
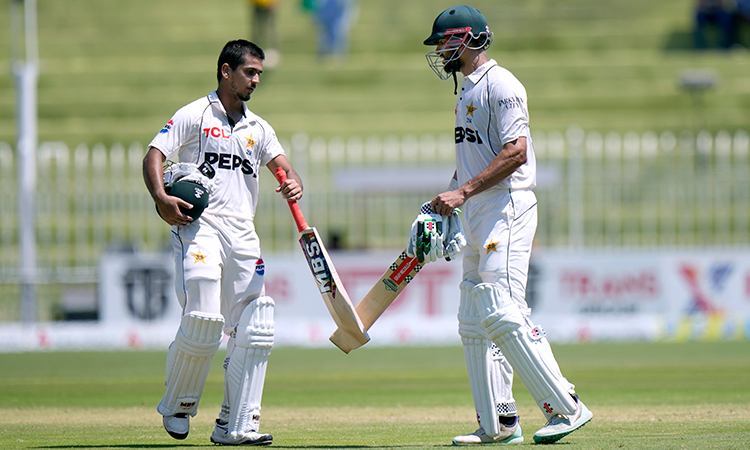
<point>199,257</point>
<point>470,109</point>
<point>491,246</point>
<point>251,143</point>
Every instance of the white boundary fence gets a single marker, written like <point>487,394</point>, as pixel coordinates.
<point>649,190</point>
<point>596,191</point>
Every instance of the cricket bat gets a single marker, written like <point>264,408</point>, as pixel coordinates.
<point>331,288</point>
<point>380,296</point>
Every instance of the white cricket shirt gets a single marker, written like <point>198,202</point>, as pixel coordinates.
<point>491,111</point>
<point>200,132</point>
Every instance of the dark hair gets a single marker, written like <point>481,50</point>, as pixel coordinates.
<point>234,53</point>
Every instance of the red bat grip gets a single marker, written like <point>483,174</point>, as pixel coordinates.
<point>299,219</point>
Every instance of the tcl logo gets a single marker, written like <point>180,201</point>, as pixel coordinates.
<point>216,132</point>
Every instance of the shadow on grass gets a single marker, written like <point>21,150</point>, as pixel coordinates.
<point>82,446</point>
<point>373,447</point>
<point>124,446</point>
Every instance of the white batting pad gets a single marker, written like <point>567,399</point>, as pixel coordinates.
<point>188,361</point>
<point>475,353</point>
<point>246,371</point>
<point>526,349</point>
<point>490,375</point>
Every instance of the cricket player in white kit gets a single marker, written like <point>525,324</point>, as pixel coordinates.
<point>493,182</point>
<point>219,269</point>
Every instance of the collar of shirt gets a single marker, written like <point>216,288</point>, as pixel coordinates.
<point>213,97</point>
<point>479,72</point>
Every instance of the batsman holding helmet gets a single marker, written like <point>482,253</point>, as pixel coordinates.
<point>220,146</point>
<point>493,182</point>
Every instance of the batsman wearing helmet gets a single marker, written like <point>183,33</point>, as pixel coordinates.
<point>220,146</point>
<point>493,182</point>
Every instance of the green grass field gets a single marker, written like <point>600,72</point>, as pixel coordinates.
<point>115,71</point>
<point>644,396</point>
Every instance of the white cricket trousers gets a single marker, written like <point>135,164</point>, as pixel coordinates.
<point>218,266</point>
<point>500,225</point>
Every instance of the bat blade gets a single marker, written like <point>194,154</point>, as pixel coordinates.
<point>377,300</point>
<point>331,288</point>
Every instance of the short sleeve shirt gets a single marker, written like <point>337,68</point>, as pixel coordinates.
<point>201,132</point>
<point>491,111</point>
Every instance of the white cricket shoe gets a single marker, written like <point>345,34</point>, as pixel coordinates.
<point>561,425</point>
<point>178,426</point>
<point>220,436</point>
<point>508,435</point>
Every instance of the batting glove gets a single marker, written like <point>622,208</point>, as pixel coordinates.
<point>188,172</point>
<point>453,236</point>
<point>426,237</point>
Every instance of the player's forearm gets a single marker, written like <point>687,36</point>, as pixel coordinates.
<point>505,163</point>
<point>153,173</point>
<point>493,175</point>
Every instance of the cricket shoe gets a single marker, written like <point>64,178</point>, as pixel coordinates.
<point>561,425</point>
<point>221,436</point>
<point>509,434</point>
<point>178,426</point>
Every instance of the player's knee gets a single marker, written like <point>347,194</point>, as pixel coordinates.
<point>466,306</point>
<point>468,320</point>
<point>199,333</point>
<point>495,326</point>
<point>501,314</point>
<point>255,328</point>
<point>469,328</point>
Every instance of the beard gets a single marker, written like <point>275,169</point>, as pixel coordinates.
<point>453,66</point>
<point>244,96</point>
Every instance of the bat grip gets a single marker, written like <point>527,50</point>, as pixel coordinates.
<point>299,219</point>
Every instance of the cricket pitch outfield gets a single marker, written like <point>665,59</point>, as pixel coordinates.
<point>653,396</point>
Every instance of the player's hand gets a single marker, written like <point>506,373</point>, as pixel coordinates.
<point>290,190</point>
<point>446,202</point>
<point>168,208</point>
<point>426,237</point>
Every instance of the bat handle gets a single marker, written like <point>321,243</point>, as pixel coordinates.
<point>299,219</point>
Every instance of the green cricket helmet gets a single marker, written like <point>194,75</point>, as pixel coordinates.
<point>193,193</point>
<point>462,27</point>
